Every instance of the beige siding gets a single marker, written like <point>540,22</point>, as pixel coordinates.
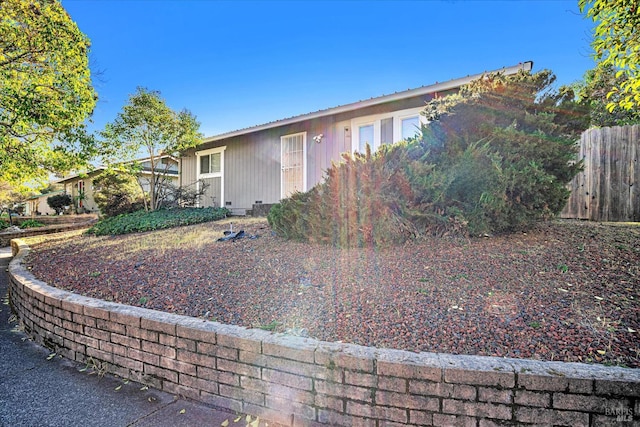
<point>40,205</point>
<point>71,188</point>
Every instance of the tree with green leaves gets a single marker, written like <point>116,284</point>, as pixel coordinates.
<point>146,124</point>
<point>59,202</point>
<point>617,42</point>
<point>117,193</point>
<point>46,92</point>
<point>594,92</point>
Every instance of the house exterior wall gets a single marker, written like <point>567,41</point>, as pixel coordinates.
<point>145,181</point>
<point>252,162</point>
<point>40,205</point>
<point>212,193</point>
<point>71,188</point>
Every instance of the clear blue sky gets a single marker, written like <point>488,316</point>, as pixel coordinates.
<point>241,63</point>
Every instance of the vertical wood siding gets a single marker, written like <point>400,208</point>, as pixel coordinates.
<point>252,163</point>
<point>211,195</point>
<point>252,170</point>
<point>609,187</point>
<point>188,171</point>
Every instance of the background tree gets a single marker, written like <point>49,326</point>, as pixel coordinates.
<point>45,90</point>
<point>594,92</point>
<point>617,43</point>
<point>146,124</point>
<point>117,192</point>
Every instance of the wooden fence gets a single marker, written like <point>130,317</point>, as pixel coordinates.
<point>608,189</point>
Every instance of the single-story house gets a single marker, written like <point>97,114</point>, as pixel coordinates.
<point>82,183</point>
<point>37,204</point>
<point>265,163</point>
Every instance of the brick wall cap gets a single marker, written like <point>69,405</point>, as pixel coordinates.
<point>198,324</point>
<point>573,370</point>
<point>159,316</point>
<point>292,341</point>
<point>353,350</point>
<point>429,360</point>
<point>477,363</point>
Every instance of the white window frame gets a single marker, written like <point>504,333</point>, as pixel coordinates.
<point>220,174</point>
<point>376,121</point>
<point>304,161</point>
<point>397,122</point>
<point>359,122</point>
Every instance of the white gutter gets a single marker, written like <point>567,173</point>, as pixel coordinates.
<point>438,87</point>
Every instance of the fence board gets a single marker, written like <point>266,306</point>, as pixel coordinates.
<point>608,189</point>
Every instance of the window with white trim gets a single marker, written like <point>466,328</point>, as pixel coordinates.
<point>410,127</point>
<point>387,128</point>
<point>210,163</point>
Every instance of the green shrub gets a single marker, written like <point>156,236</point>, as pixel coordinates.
<point>117,193</point>
<point>495,158</point>
<point>147,221</point>
<point>359,204</point>
<point>31,223</point>
<point>3,224</point>
<point>59,202</point>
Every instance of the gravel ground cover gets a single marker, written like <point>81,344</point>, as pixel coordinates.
<point>567,290</point>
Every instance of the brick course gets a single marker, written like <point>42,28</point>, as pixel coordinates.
<point>303,382</point>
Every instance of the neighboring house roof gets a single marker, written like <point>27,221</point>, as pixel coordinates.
<point>102,168</point>
<point>80,175</point>
<point>52,193</point>
<point>423,90</point>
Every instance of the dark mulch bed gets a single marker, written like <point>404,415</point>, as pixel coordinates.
<point>565,291</point>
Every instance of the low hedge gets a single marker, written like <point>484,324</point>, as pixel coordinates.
<point>148,221</point>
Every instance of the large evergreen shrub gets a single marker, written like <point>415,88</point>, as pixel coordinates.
<point>495,157</point>
<point>117,193</point>
<point>59,202</point>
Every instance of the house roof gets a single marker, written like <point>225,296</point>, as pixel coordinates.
<point>102,168</point>
<point>52,193</point>
<point>423,90</point>
<point>80,175</point>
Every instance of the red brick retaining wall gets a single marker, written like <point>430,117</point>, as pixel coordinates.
<point>304,382</point>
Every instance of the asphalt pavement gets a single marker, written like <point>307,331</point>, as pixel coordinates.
<point>38,390</point>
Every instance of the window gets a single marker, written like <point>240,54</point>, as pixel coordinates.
<point>365,136</point>
<point>387,128</point>
<point>410,127</point>
<point>210,164</point>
